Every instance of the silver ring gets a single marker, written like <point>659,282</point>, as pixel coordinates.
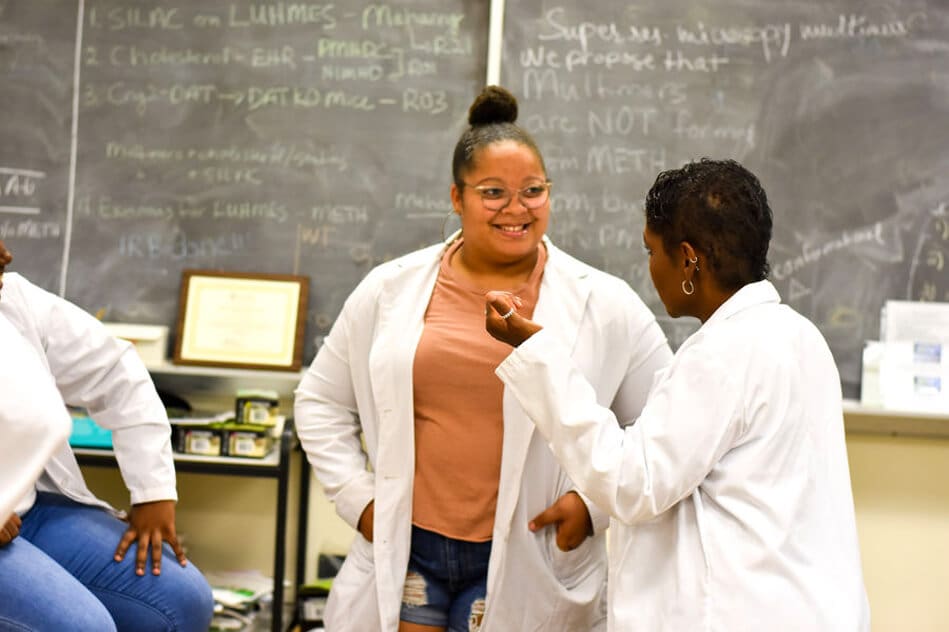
<point>508,315</point>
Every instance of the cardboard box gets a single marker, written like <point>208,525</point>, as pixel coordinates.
<point>258,407</point>
<point>204,441</point>
<point>150,341</point>
<point>254,444</point>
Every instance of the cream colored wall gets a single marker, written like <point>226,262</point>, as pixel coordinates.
<point>901,494</point>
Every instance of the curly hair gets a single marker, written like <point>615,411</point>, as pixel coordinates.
<point>491,119</point>
<point>720,208</point>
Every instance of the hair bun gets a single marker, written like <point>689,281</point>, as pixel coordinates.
<point>493,105</point>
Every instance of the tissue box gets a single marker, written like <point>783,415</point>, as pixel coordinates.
<point>870,393</point>
<point>151,341</point>
<point>914,376</point>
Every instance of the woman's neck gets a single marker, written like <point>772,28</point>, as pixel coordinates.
<point>712,298</point>
<point>493,275</point>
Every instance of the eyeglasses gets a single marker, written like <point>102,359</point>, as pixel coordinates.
<point>495,198</point>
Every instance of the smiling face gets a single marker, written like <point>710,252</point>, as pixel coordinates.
<point>512,233</point>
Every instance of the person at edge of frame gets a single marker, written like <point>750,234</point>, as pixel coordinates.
<point>730,495</point>
<point>68,561</point>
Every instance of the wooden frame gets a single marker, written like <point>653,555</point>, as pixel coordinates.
<point>241,320</point>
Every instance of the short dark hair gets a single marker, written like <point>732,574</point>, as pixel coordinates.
<point>491,119</point>
<point>720,208</point>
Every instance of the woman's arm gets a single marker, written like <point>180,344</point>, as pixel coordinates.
<point>326,416</point>
<point>95,370</point>
<point>638,472</point>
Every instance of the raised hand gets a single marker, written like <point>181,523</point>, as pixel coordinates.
<point>502,320</point>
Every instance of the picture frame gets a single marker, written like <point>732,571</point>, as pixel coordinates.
<point>241,319</point>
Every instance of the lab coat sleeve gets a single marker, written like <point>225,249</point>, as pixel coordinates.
<point>638,471</point>
<point>33,418</point>
<point>646,356</point>
<point>650,354</point>
<point>327,422</point>
<point>103,374</point>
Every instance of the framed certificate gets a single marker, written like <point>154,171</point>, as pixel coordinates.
<point>241,320</point>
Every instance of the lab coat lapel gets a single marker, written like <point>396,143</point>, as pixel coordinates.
<point>402,304</point>
<point>390,370</point>
<point>403,300</point>
<point>560,306</point>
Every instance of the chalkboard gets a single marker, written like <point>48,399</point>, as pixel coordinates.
<point>841,108</point>
<point>36,67</point>
<point>141,138</point>
<point>279,137</point>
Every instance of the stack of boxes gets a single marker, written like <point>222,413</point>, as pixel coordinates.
<point>249,434</point>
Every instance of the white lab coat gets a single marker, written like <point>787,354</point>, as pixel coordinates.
<point>730,495</point>
<point>364,368</point>
<point>95,370</point>
<point>33,418</point>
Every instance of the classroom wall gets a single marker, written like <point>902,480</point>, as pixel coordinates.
<point>901,494</point>
<point>900,490</point>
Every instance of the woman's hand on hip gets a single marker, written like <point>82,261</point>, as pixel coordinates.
<point>571,517</point>
<point>367,520</point>
<point>11,528</point>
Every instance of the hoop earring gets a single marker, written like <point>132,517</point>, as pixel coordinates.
<point>694,261</point>
<point>691,287</point>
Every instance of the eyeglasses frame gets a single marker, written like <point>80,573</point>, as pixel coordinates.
<point>519,192</point>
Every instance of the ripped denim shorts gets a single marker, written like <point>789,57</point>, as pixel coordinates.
<point>446,582</point>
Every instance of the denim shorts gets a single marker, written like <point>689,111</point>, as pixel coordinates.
<point>446,582</point>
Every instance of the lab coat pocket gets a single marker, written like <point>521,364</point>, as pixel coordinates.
<point>570,567</point>
<point>581,574</point>
<point>352,604</point>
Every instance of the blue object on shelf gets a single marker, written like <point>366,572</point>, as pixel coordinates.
<point>86,433</point>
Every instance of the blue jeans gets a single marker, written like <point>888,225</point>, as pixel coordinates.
<point>446,582</point>
<point>59,575</point>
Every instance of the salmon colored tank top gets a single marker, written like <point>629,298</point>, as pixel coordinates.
<point>459,424</point>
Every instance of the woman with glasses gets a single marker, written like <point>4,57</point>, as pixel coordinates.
<point>456,473</point>
<point>730,494</point>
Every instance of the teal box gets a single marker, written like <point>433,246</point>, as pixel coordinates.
<point>86,433</point>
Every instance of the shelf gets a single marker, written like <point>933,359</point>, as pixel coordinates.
<point>861,419</point>
<point>167,368</point>
<point>272,460</point>
<point>211,388</point>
